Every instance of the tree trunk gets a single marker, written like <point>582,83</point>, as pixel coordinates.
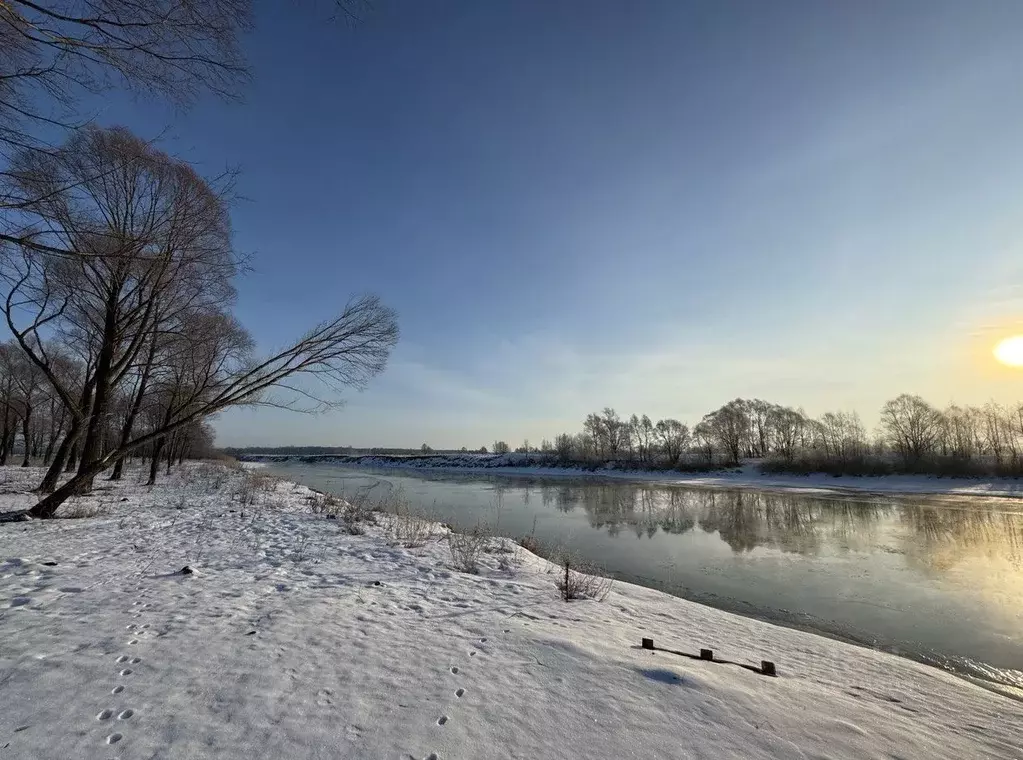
<point>72,457</point>
<point>129,422</point>
<point>154,463</point>
<point>4,449</point>
<point>48,454</point>
<point>60,459</point>
<point>25,434</point>
<point>47,506</point>
<point>92,445</point>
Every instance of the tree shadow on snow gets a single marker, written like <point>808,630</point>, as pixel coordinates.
<point>661,675</point>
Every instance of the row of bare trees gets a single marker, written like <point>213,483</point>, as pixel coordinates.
<point>912,436</point>
<point>116,259</point>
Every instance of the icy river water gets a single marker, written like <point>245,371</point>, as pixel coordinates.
<point>936,579</point>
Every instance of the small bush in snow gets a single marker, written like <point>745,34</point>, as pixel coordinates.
<point>467,548</point>
<point>353,513</point>
<point>253,485</point>
<point>408,527</point>
<point>209,477</point>
<point>583,582</point>
<point>263,482</point>
<point>81,510</point>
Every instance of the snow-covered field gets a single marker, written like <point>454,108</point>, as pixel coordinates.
<point>293,639</point>
<point>747,476</point>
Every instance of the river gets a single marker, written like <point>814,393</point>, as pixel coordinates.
<point>936,579</point>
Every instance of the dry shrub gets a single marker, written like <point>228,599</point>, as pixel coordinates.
<point>253,485</point>
<point>583,582</point>
<point>467,548</point>
<point>353,513</point>
<point>210,477</point>
<point>264,482</point>
<point>408,526</point>
<point>81,510</point>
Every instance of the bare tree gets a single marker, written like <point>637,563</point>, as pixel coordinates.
<point>673,438</point>
<point>140,237</point>
<point>642,435</point>
<point>730,427</point>
<point>28,391</point>
<point>911,426</point>
<point>787,426</point>
<point>564,446</point>
<point>307,375</point>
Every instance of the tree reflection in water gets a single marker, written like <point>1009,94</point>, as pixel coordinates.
<point>939,536</point>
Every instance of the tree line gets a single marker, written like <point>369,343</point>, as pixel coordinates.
<point>117,262</point>
<point>912,437</point>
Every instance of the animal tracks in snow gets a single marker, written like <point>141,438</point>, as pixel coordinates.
<point>459,692</point>
<point>124,713</point>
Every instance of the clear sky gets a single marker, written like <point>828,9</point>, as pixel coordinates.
<point>656,206</point>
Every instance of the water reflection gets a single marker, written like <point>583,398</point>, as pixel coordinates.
<point>939,537</point>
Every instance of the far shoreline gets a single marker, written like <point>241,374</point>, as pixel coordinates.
<point>748,477</point>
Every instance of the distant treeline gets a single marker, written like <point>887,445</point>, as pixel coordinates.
<point>913,437</point>
<point>235,451</point>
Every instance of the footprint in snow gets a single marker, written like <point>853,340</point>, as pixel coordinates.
<point>442,720</point>
<point>123,658</point>
<point>459,693</point>
<point>105,715</point>
<point>126,672</point>
<point>454,671</point>
<point>125,714</point>
<point>114,738</point>
<point>117,690</point>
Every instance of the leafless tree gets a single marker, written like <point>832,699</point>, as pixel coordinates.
<point>911,426</point>
<point>564,445</point>
<point>339,354</point>
<point>641,434</point>
<point>673,438</point>
<point>140,237</point>
<point>729,426</point>
<point>787,426</point>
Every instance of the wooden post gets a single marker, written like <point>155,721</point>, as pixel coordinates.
<point>648,643</point>
<point>706,654</point>
<point>767,668</point>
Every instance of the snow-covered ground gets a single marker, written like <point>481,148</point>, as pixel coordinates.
<point>747,476</point>
<point>293,639</point>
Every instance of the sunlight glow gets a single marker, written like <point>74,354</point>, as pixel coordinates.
<point>1010,351</point>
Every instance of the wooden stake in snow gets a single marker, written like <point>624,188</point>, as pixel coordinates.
<point>648,643</point>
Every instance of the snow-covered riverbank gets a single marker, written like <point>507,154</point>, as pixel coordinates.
<point>748,476</point>
<point>294,639</point>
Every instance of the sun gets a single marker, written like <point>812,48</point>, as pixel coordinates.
<point>1010,351</point>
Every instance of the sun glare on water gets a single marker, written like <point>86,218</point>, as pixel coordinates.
<point>1010,351</point>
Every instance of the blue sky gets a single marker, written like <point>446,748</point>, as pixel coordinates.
<point>656,206</point>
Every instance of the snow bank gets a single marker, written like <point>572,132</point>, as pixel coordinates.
<point>747,476</point>
<point>293,639</point>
